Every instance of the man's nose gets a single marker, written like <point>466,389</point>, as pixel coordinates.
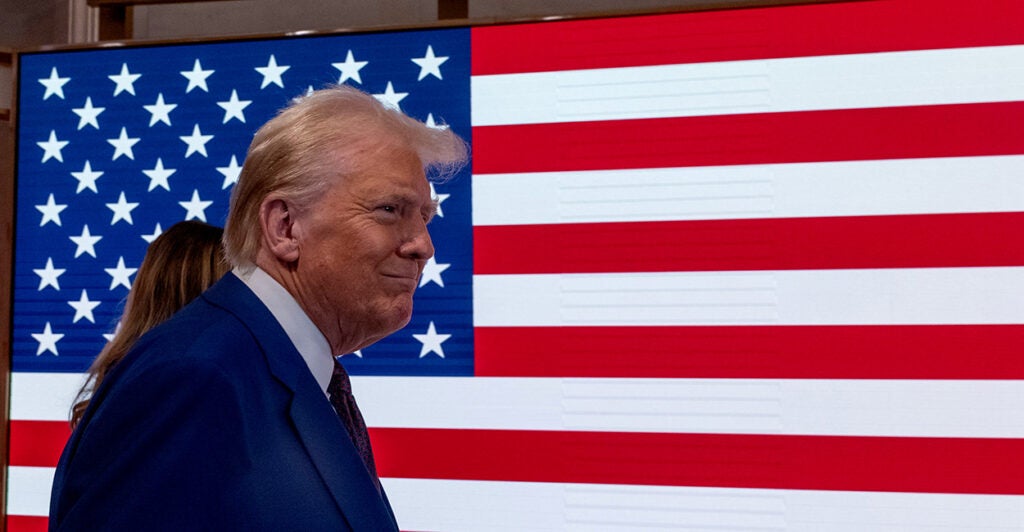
<point>418,244</point>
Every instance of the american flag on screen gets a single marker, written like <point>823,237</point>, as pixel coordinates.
<point>746,269</point>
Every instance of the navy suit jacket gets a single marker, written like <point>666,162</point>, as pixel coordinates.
<point>214,422</point>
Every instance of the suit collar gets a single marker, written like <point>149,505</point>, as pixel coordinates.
<point>231,294</point>
<point>303,333</point>
<point>316,423</point>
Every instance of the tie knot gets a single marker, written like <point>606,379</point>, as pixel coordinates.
<point>339,385</point>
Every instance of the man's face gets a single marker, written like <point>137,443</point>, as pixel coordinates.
<point>362,249</point>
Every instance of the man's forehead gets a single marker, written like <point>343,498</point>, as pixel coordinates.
<point>396,187</point>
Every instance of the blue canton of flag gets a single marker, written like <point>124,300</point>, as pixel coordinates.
<point>111,156</point>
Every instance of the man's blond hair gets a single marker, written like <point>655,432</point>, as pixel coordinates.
<point>316,141</point>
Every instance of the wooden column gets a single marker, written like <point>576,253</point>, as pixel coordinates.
<point>6,259</point>
<point>116,15</point>
<point>115,22</point>
<point>452,9</point>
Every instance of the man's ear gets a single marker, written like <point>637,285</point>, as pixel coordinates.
<point>278,223</point>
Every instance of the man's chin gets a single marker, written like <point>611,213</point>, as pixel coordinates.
<point>400,317</point>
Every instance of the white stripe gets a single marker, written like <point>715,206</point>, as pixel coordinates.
<point>927,77</point>
<point>28,490</point>
<point>848,188</point>
<point>43,396</point>
<point>972,409</point>
<point>455,506</point>
<point>912,408</point>
<point>798,297</point>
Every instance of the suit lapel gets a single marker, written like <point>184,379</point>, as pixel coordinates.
<point>342,470</point>
<point>316,423</point>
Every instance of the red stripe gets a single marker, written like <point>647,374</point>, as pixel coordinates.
<point>843,28</point>
<point>805,136</point>
<point>754,352</point>
<point>945,465</point>
<point>901,241</point>
<point>26,523</point>
<point>37,443</point>
<point>934,465</point>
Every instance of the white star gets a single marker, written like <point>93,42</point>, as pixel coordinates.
<point>309,91</point>
<point>51,148</point>
<point>430,65</point>
<point>51,211</point>
<point>86,242</point>
<point>160,111</point>
<point>195,207</point>
<point>358,353</point>
<point>83,308</point>
<point>120,275</point>
<point>87,115</point>
<point>431,341</point>
<point>86,178</point>
<point>158,175</point>
<point>233,108</point>
<point>48,275</point>
<point>110,336</point>
<point>432,272</point>
<point>350,69</point>
<point>196,142</point>
<point>196,77</point>
<point>153,236</point>
<point>47,340</point>
<point>54,84</point>
<point>432,124</point>
<point>125,81</point>
<point>272,73</point>
<point>230,172</point>
<point>123,145</point>
<point>439,198</point>
<point>390,98</point>
<point>122,210</point>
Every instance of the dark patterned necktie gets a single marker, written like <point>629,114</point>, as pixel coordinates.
<point>340,392</point>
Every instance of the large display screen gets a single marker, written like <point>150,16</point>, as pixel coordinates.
<point>753,269</point>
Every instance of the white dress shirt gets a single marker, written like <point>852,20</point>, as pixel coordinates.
<point>305,335</point>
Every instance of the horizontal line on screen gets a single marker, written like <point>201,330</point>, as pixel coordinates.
<point>36,443</point>
<point>729,35</point>
<point>438,504</point>
<point>942,185</point>
<point>912,296</point>
<point>839,407</point>
<point>929,465</point>
<point>28,497</point>
<point>929,77</point>
<point>26,523</point>
<point>862,463</point>
<point>835,242</point>
<point>753,352</point>
<point>441,505</point>
<point>763,138</point>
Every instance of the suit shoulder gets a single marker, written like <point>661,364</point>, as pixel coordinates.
<point>200,332</point>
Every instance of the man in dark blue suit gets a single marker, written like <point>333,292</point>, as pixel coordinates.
<point>221,418</point>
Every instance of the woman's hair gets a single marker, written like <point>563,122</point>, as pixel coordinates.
<point>179,265</point>
<point>318,140</point>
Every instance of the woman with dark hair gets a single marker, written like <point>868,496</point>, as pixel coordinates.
<point>179,265</point>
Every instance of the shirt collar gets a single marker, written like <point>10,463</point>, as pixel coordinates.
<point>301,330</point>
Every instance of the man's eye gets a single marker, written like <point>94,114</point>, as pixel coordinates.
<point>388,208</point>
